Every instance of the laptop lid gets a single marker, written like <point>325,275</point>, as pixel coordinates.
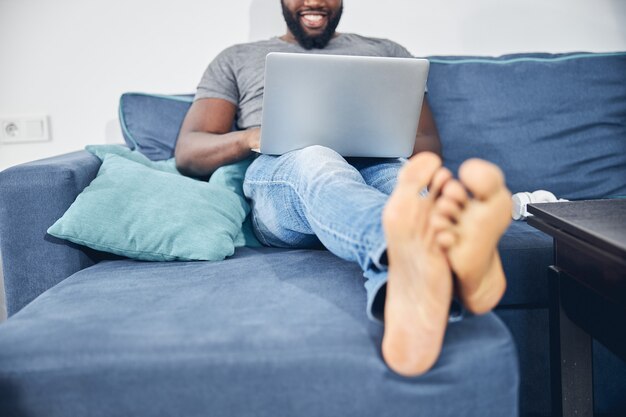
<point>358,106</point>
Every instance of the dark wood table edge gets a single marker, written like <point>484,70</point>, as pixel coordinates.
<point>557,225</point>
<point>566,364</point>
<point>571,355</point>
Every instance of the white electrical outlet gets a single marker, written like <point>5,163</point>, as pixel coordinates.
<point>24,129</point>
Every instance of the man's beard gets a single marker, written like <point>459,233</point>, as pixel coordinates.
<point>307,41</point>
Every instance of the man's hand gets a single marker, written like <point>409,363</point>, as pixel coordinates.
<point>253,137</point>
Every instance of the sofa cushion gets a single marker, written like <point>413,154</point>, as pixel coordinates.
<point>554,122</point>
<point>133,210</point>
<point>151,122</point>
<point>101,151</point>
<point>268,332</point>
<point>526,254</point>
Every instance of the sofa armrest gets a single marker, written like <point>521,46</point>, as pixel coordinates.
<point>32,197</point>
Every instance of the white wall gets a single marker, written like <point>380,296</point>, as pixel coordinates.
<point>71,59</point>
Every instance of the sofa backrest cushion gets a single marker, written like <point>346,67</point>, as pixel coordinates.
<point>150,122</point>
<point>554,122</point>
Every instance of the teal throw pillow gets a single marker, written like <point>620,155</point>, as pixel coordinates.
<point>132,210</point>
<point>229,176</point>
<point>101,151</point>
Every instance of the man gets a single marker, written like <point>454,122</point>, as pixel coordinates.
<point>416,251</point>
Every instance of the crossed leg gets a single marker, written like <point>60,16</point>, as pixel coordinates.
<point>469,230</point>
<point>429,238</point>
<point>419,283</point>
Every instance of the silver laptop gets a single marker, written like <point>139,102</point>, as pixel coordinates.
<point>358,106</point>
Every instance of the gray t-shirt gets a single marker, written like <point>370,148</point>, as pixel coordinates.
<point>237,73</point>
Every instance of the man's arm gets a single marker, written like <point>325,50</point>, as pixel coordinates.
<point>205,141</point>
<point>427,138</point>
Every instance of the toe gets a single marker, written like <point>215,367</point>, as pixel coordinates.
<point>441,177</point>
<point>446,239</point>
<point>449,208</point>
<point>483,179</point>
<point>439,223</point>
<point>453,190</point>
<point>418,172</point>
<point>405,212</point>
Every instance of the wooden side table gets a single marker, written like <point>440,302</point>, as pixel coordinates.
<point>587,293</point>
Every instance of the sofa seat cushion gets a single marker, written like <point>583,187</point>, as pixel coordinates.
<point>268,332</point>
<point>526,254</point>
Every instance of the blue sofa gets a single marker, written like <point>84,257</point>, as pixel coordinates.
<point>284,332</point>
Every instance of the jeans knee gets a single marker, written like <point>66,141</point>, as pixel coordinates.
<point>316,154</point>
<point>319,164</point>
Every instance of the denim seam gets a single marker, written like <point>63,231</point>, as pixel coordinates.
<point>380,182</point>
<point>260,235</point>
<point>326,229</point>
<point>370,300</point>
<point>378,254</point>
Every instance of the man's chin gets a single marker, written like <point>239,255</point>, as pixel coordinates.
<point>313,42</point>
<point>314,34</point>
<point>314,39</point>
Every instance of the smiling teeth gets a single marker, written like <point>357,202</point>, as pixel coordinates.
<point>313,17</point>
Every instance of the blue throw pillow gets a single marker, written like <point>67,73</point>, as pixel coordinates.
<point>150,122</point>
<point>554,122</point>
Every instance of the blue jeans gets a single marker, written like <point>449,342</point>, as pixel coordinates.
<point>313,198</point>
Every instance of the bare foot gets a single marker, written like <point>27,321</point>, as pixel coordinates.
<point>469,230</point>
<point>419,286</point>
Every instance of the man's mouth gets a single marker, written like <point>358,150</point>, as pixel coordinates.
<point>313,19</point>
